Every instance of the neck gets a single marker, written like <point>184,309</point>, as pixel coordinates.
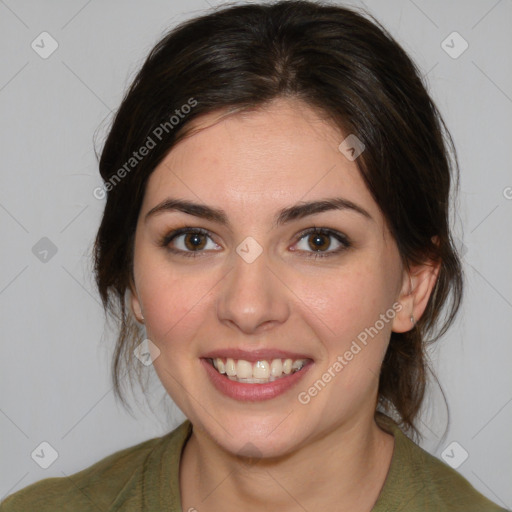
<point>344,470</point>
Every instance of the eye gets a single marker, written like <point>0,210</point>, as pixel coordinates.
<point>187,241</point>
<point>318,240</point>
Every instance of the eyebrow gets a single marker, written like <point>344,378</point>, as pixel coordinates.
<point>284,216</point>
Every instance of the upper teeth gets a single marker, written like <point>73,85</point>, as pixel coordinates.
<point>241,369</point>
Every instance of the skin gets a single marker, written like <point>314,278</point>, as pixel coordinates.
<point>329,452</point>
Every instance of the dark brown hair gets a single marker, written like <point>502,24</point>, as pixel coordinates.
<point>345,65</point>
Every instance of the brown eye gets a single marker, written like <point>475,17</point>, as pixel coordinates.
<point>317,241</point>
<point>188,242</point>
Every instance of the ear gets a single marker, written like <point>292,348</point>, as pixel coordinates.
<point>417,284</point>
<point>134,302</point>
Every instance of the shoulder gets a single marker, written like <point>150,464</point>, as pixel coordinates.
<point>427,483</point>
<point>114,479</point>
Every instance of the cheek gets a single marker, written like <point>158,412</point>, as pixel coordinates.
<point>174,301</point>
<point>169,309</point>
<point>343,304</point>
<point>346,314</point>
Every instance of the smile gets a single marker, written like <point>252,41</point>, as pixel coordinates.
<point>259,379</point>
<point>260,372</point>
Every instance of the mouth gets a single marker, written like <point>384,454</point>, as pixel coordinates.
<point>260,372</point>
<point>260,376</point>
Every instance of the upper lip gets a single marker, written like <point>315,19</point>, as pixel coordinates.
<point>254,355</point>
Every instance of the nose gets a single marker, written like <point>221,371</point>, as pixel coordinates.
<point>251,296</point>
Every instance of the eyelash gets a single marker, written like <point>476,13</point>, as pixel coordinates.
<point>169,237</point>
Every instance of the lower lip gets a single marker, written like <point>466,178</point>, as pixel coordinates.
<point>253,392</point>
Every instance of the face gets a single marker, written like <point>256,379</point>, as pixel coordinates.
<point>256,283</point>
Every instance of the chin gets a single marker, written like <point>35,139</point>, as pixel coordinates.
<point>254,436</point>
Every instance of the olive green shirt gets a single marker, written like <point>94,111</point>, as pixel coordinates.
<point>145,477</point>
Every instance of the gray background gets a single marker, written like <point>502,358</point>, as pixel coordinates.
<point>54,374</point>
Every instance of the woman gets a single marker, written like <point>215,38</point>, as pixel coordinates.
<point>276,231</point>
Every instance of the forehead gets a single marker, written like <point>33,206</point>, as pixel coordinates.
<point>264,160</point>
